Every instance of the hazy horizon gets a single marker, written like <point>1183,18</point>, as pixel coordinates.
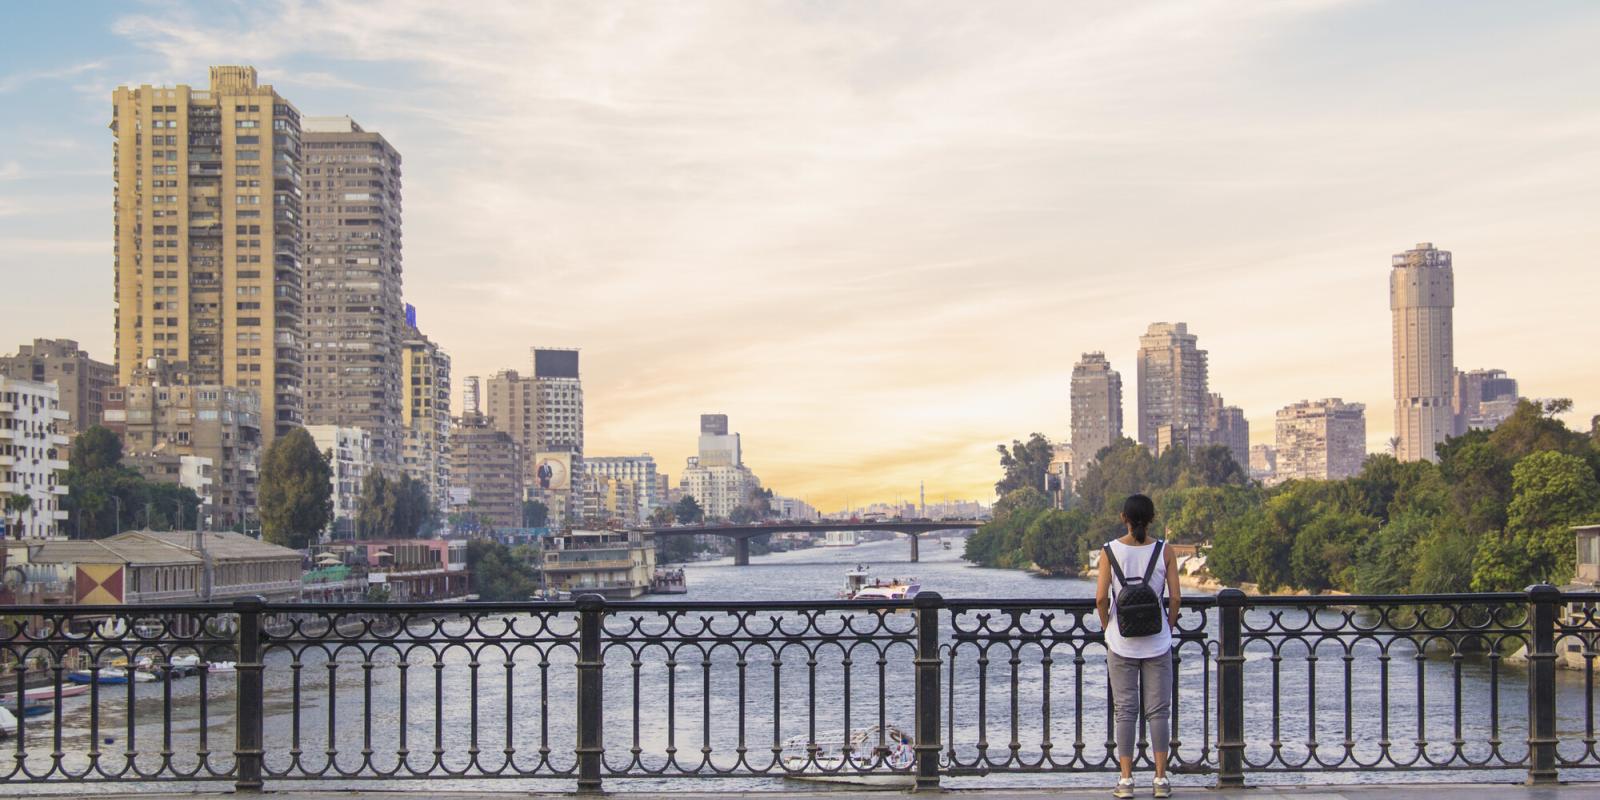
<point>878,235</point>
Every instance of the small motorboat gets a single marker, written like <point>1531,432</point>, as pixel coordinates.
<point>221,666</point>
<point>44,693</point>
<point>8,723</point>
<point>109,675</point>
<point>864,764</point>
<point>38,708</point>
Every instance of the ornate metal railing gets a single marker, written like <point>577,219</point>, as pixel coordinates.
<point>592,692</point>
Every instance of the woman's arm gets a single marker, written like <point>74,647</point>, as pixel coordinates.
<point>1102,591</point>
<point>1174,594</point>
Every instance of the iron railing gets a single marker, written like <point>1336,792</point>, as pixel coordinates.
<point>592,692</point>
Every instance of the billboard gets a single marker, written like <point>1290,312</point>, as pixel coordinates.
<point>715,424</point>
<point>98,584</point>
<point>555,363</point>
<point>552,472</point>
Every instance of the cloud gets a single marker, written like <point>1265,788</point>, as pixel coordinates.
<point>16,80</point>
<point>849,225</point>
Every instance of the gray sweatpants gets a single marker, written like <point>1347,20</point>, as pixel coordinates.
<point>1128,677</point>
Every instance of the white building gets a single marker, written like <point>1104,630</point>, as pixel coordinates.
<point>718,479</point>
<point>639,469</point>
<point>30,459</point>
<point>349,452</point>
<point>793,508</point>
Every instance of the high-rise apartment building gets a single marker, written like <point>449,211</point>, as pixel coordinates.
<point>1096,407</point>
<point>511,402</point>
<point>32,459</point>
<point>80,380</point>
<point>1226,425</point>
<point>1172,383</point>
<point>1422,297</point>
<point>559,427</point>
<point>425,415</point>
<point>1321,440</point>
<point>355,327</point>
<point>159,416</point>
<point>486,470</point>
<point>1483,398</point>
<point>208,237</point>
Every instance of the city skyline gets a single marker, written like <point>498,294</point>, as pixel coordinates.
<point>807,269</point>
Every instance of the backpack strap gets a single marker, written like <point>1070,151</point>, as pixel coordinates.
<point>1155,556</point>
<point>1115,567</point>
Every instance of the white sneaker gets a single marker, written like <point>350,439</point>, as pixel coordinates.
<point>1161,787</point>
<point>1124,788</point>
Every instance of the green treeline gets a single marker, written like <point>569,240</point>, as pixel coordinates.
<point>1493,515</point>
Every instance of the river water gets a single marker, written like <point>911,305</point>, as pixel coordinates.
<point>475,706</point>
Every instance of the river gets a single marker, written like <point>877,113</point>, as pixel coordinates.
<point>498,688</point>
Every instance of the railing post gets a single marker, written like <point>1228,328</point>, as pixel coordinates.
<point>1543,602</point>
<point>928,711</point>
<point>1230,689</point>
<point>248,696</point>
<point>591,691</point>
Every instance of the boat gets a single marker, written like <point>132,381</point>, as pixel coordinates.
<point>221,666</point>
<point>839,539</point>
<point>859,585</point>
<point>8,723</point>
<point>946,544</point>
<point>668,581</point>
<point>37,708</point>
<point>108,675</point>
<point>44,693</point>
<point>831,764</point>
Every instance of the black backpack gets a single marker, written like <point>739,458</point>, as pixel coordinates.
<point>1138,608</point>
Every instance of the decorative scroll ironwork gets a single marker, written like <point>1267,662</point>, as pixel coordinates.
<point>590,691</point>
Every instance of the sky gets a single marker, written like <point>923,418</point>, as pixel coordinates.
<point>878,235</point>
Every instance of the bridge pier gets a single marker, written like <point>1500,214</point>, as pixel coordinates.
<point>915,539</point>
<point>741,551</point>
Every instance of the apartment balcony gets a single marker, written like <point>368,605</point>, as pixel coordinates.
<point>7,461</point>
<point>8,408</point>
<point>59,489</point>
<point>55,464</point>
<point>8,433</point>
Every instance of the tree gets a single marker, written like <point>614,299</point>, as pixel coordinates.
<point>416,515</point>
<point>1123,468</point>
<point>497,573</point>
<point>17,505</point>
<point>1055,541</point>
<point>1214,466</point>
<point>1551,491</point>
<point>295,491</point>
<point>1025,464</point>
<point>661,516</point>
<point>534,514</point>
<point>377,507</point>
<point>688,511</point>
<point>97,448</point>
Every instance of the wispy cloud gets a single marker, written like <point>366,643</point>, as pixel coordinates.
<point>875,231</point>
<point>16,80</point>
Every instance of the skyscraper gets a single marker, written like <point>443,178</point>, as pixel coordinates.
<point>208,237</point>
<point>1096,407</point>
<point>1322,440</point>
<point>1421,299</point>
<point>1483,398</point>
<point>354,321</point>
<point>1172,383</point>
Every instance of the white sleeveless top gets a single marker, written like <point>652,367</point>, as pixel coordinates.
<point>1132,559</point>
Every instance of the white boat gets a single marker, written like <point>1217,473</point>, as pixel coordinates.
<point>865,765</point>
<point>839,539</point>
<point>860,585</point>
<point>8,723</point>
<point>44,693</point>
<point>220,666</point>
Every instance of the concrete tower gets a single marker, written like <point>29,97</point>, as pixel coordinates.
<point>1096,407</point>
<point>208,238</point>
<point>1172,384</point>
<point>1421,298</point>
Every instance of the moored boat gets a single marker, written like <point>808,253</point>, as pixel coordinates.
<point>860,585</point>
<point>866,762</point>
<point>44,693</point>
<point>108,675</point>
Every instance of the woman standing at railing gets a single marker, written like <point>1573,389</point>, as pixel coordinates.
<point>1138,629</point>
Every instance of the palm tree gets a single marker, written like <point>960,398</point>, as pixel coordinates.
<point>17,505</point>
<point>1394,446</point>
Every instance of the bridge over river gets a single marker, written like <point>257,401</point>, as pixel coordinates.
<point>742,534</point>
